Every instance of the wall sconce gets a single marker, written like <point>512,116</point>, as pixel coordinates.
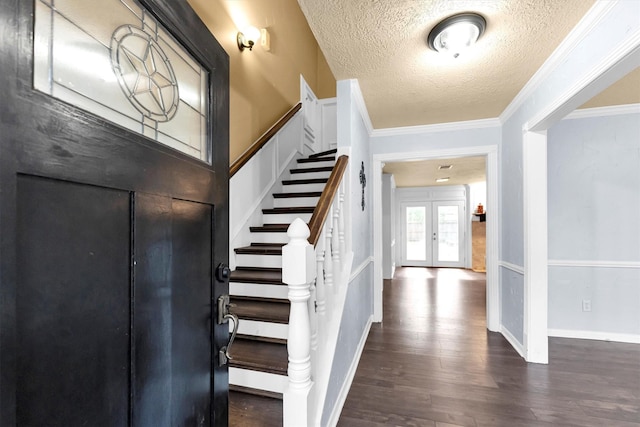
<point>247,38</point>
<point>457,33</point>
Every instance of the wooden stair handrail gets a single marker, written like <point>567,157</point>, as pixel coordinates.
<point>321,211</point>
<point>261,142</point>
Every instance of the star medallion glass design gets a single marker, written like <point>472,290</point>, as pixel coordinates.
<point>144,73</point>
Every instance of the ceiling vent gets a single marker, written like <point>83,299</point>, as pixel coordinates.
<point>441,167</point>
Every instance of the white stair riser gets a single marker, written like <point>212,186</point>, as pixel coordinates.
<point>310,165</point>
<point>302,188</point>
<point>262,329</point>
<point>258,380</point>
<point>269,237</point>
<point>292,202</point>
<point>287,218</point>
<point>310,175</point>
<point>258,290</point>
<point>262,261</point>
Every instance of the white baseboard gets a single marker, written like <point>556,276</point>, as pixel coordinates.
<point>346,385</point>
<point>595,335</point>
<point>512,340</point>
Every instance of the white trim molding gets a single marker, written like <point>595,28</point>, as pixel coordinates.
<point>357,96</point>
<point>584,27</point>
<point>513,267</point>
<point>593,264</point>
<point>613,110</point>
<point>620,61</point>
<point>595,335</point>
<point>439,127</point>
<point>359,269</point>
<point>346,385</point>
<point>493,280</point>
<point>517,345</point>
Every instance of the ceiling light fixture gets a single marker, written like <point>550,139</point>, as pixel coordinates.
<point>247,38</point>
<point>442,179</point>
<point>456,33</point>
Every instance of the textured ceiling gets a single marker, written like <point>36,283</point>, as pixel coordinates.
<point>382,43</point>
<point>423,173</point>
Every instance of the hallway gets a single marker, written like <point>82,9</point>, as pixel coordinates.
<point>433,363</point>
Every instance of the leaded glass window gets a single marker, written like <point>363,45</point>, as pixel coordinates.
<point>113,59</point>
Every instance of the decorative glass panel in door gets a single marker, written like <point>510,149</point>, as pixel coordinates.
<point>114,59</point>
<point>448,234</point>
<point>415,227</point>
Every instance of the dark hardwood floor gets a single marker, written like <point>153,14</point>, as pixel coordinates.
<point>433,363</point>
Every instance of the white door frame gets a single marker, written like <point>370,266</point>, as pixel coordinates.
<point>493,285</point>
<point>618,63</point>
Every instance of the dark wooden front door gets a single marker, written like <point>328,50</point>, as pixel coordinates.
<point>108,251</point>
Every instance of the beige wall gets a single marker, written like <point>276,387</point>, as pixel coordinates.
<point>265,85</point>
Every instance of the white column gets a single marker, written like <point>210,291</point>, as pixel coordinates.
<point>534,171</point>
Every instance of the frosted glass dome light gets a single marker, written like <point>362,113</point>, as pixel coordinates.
<point>457,33</point>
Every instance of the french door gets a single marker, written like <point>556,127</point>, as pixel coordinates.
<point>433,234</point>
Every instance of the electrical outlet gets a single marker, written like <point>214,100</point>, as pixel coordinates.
<point>586,305</point>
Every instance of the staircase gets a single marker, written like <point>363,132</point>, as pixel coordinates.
<point>258,371</point>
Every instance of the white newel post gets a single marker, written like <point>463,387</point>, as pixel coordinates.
<point>298,271</point>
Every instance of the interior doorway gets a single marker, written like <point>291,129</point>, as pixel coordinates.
<point>490,154</point>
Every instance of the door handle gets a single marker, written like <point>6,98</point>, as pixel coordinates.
<point>223,316</point>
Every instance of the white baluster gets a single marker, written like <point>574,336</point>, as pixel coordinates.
<point>298,271</point>
<point>343,249</point>
<point>320,290</point>
<point>335,245</point>
<point>328,262</point>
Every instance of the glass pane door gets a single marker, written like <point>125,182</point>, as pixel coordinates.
<point>416,225</point>
<point>448,234</point>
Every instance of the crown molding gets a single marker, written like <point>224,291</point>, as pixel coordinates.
<point>599,10</point>
<point>356,93</point>
<point>613,110</point>
<point>439,127</point>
